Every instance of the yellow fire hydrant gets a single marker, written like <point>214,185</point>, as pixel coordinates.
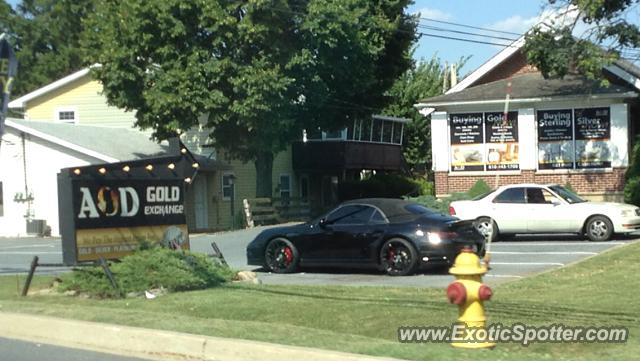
<point>468,292</point>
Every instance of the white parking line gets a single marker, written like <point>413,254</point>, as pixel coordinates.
<point>527,264</point>
<point>28,246</point>
<point>503,276</point>
<point>33,253</point>
<point>534,252</point>
<point>577,243</point>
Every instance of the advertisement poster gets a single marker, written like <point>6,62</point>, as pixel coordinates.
<point>593,130</point>
<point>467,146</point>
<point>113,217</point>
<point>555,139</point>
<point>501,136</point>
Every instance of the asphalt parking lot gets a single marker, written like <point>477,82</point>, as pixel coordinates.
<point>512,260</point>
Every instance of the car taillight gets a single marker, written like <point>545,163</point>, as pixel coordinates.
<point>452,211</point>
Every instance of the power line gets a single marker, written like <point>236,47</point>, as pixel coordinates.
<point>470,26</point>
<point>464,32</point>
<point>463,39</point>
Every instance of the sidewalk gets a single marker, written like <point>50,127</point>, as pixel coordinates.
<point>156,344</point>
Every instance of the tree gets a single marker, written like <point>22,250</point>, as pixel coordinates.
<point>423,80</point>
<point>261,71</point>
<point>609,34</point>
<point>46,36</point>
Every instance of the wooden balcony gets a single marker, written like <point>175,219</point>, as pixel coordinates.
<point>346,155</point>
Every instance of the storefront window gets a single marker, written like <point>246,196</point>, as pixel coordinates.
<point>484,141</point>
<point>574,139</point>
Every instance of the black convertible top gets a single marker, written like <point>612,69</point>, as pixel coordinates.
<point>395,209</point>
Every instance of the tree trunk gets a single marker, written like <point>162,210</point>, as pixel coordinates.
<point>264,170</point>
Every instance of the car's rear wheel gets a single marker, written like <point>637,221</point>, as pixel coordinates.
<point>281,256</point>
<point>599,229</point>
<point>398,257</point>
<point>484,225</point>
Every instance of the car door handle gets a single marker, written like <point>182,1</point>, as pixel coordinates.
<point>370,234</point>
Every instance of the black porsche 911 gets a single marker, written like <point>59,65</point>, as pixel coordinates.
<point>393,235</point>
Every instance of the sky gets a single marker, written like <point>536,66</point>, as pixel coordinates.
<point>513,16</point>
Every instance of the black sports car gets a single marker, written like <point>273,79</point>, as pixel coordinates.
<point>393,235</point>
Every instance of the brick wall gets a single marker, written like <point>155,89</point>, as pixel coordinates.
<point>584,183</point>
<point>516,64</point>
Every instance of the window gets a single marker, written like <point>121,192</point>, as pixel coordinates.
<point>228,188</point>
<point>304,189</point>
<point>574,138</point>
<point>418,209</point>
<point>378,218</point>
<point>511,195</point>
<point>567,195</point>
<point>387,131</point>
<point>398,128</point>
<point>376,135</point>
<point>1,202</point>
<point>285,187</point>
<point>66,115</point>
<point>352,214</point>
<point>484,141</point>
<point>539,196</point>
<point>335,134</point>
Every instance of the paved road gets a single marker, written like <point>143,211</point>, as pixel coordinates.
<point>511,260</point>
<point>13,350</point>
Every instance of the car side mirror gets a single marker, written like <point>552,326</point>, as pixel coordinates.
<point>322,223</point>
<point>556,202</point>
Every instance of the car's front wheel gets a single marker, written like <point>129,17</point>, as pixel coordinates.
<point>486,225</point>
<point>398,257</point>
<point>599,229</point>
<point>281,256</point>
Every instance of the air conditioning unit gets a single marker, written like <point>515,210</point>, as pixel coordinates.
<point>36,226</point>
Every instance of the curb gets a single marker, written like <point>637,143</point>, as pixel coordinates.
<point>156,344</point>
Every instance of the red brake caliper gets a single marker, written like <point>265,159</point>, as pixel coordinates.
<point>392,255</point>
<point>288,255</point>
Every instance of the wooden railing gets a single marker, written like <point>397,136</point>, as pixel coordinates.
<point>263,211</point>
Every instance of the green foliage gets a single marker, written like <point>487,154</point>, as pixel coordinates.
<point>147,269</point>
<point>46,35</point>
<point>442,204</point>
<point>421,81</point>
<point>260,71</point>
<point>479,187</point>
<point>556,52</point>
<point>379,185</point>
<point>632,191</point>
<point>426,187</point>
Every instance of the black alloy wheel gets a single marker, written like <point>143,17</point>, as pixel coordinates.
<point>398,257</point>
<point>281,256</point>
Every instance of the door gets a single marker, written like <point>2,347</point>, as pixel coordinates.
<point>548,214</point>
<point>509,210</point>
<point>344,236</point>
<point>200,202</point>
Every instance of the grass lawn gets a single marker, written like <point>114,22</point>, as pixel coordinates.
<point>600,291</point>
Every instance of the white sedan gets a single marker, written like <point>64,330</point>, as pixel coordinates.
<point>535,208</point>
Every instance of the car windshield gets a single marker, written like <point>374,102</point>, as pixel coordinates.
<point>566,194</point>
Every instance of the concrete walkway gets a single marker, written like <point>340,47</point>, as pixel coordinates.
<point>156,344</point>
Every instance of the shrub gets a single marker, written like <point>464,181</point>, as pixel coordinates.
<point>632,191</point>
<point>148,269</point>
<point>379,185</point>
<point>480,187</point>
<point>442,205</point>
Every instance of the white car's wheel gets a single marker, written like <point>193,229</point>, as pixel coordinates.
<point>486,225</point>
<point>599,229</point>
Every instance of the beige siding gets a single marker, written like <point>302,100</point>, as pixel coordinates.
<point>246,185</point>
<point>83,96</point>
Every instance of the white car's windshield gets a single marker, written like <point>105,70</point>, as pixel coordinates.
<point>566,194</point>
